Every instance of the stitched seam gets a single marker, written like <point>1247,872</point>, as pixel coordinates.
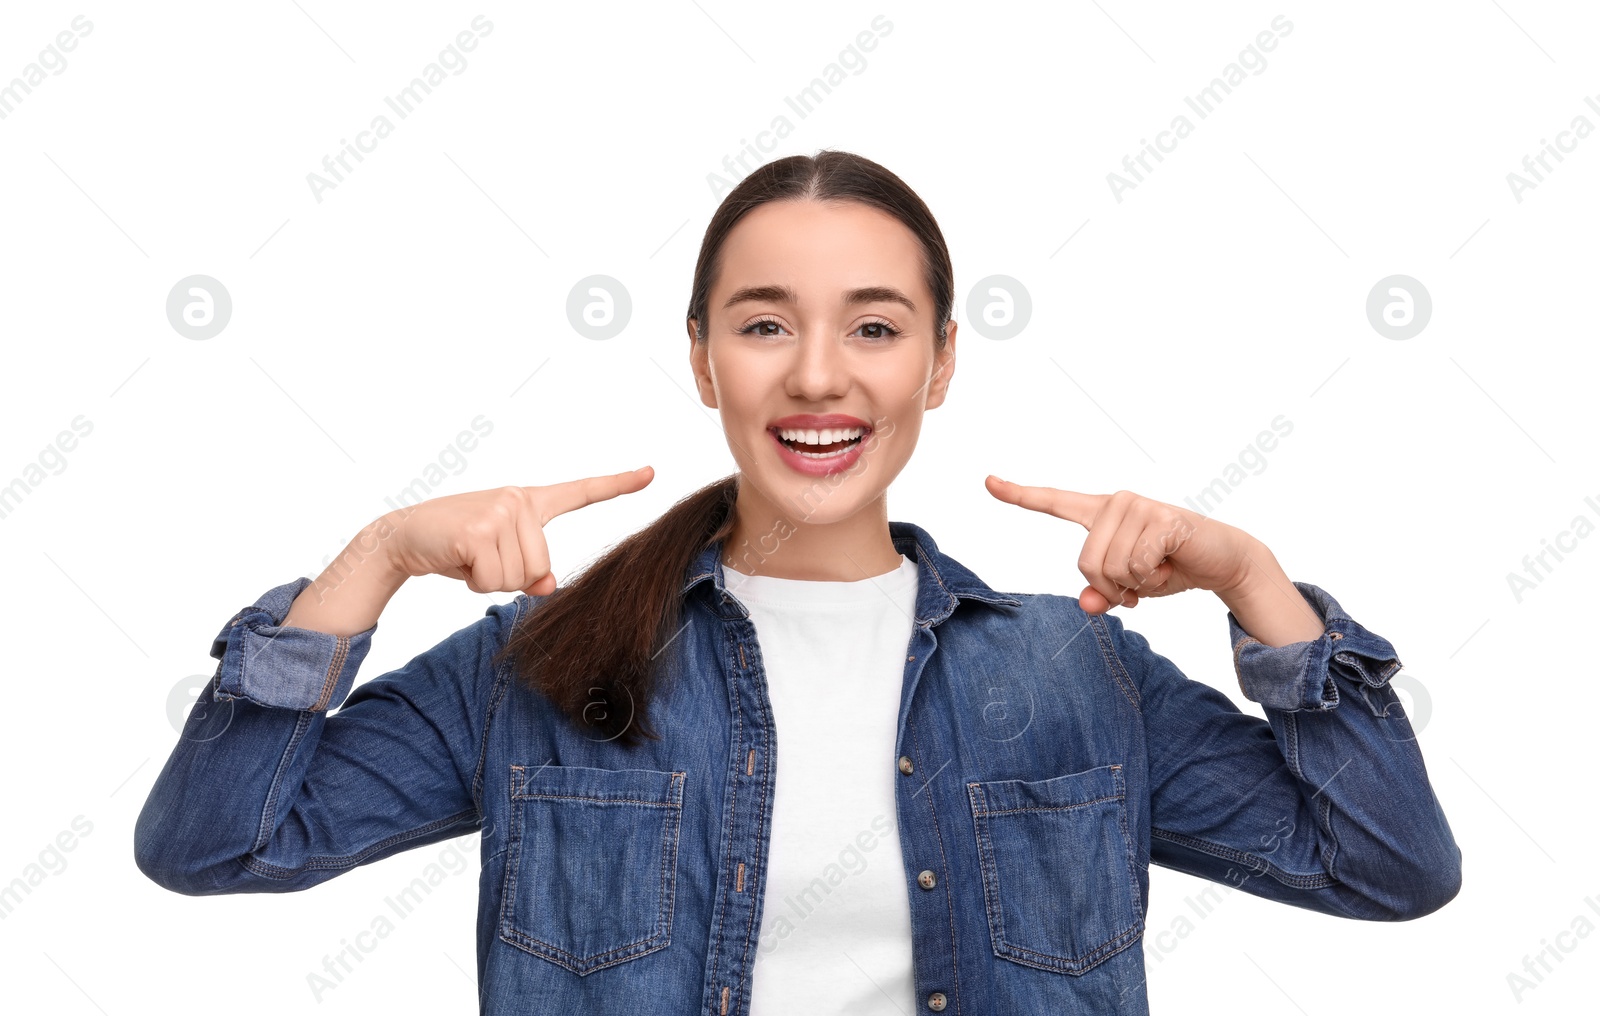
<point>341,649</point>
<point>934,570</point>
<point>508,885</point>
<point>987,871</point>
<point>586,797</point>
<point>1255,862</point>
<point>1051,807</point>
<point>727,827</point>
<point>669,857</point>
<point>269,810</point>
<point>1291,737</point>
<point>496,692</point>
<point>750,925</point>
<point>1238,648</point>
<point>1331,848</point>
<point>944,863</point>
<point>1108,652</point>
<point>321,861</point>
<point>1127,842</point>
<point>655,940</point>
<point>1082,963</point>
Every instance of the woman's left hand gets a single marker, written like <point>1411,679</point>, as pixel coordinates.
<point>1138,546</point>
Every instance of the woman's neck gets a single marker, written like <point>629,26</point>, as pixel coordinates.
<point>767,541</point>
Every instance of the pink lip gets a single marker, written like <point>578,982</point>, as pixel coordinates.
<point>810,421</point>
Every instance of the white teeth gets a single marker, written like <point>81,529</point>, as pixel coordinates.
<point>821,437</point>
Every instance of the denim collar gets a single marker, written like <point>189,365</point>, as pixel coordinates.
<point>941,580</point>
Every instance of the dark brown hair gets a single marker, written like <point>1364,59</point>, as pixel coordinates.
<point>590,647</point>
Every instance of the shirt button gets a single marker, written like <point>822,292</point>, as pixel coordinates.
<point>905,765</point>
<point>926,880</point>
<point>936,1001</point>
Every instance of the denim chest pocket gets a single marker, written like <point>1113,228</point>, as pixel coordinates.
<point>1059,886</point>
<point>591,863</point>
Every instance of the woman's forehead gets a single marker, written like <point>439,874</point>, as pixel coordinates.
<point>820,257</point>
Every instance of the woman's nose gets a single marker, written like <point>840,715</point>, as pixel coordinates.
<point>819,368</point>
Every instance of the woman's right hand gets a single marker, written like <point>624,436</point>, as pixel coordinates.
<point>494,539</point>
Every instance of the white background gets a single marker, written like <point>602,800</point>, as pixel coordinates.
<point>371,327</point>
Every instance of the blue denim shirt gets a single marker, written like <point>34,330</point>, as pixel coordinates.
<point>1046,757</point>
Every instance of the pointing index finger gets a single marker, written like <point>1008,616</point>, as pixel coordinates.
<point>560,498</point>
<point>1063,504</point>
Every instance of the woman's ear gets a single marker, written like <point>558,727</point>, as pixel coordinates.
<point>944,365</point>
<point>699,363</point>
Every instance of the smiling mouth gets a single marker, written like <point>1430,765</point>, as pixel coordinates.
<point>820,443</point>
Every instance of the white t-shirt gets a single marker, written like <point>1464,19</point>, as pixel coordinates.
<point>836,914</point>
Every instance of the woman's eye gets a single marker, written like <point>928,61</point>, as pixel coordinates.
<point>879,330</point>
<point>756,327</point>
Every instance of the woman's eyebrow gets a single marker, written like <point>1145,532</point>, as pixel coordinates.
<point>785,294</point>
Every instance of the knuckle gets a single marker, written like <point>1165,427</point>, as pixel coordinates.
<point>505,506</point>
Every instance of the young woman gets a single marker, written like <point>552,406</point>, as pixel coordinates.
<point>775,751</point>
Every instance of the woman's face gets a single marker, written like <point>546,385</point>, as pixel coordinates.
<point>820,321</point>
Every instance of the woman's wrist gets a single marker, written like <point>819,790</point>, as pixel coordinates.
<point>353,589</point>
<point>1268,605</point>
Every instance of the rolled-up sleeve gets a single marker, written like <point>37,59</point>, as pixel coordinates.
<point>1324,803</point>
<point>270,664</point>
<point>1300,675</point>
<point>283,776</point>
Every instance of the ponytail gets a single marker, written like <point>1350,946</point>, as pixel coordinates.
<point>590,647</point>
